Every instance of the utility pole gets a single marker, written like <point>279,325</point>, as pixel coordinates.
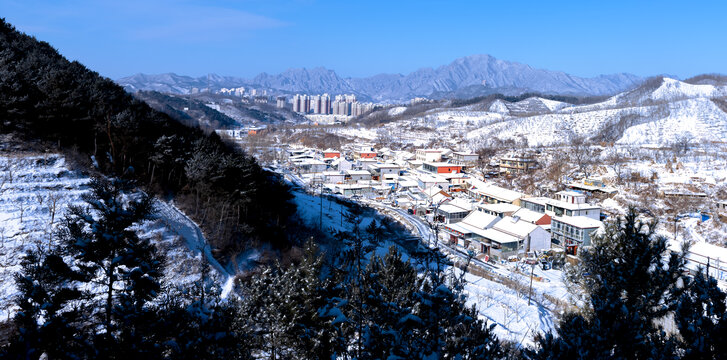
<point>530,291</point>
<point>320,223</point>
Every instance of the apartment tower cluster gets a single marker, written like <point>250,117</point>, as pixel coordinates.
<point>346,105</point>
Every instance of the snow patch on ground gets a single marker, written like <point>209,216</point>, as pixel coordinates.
<point>396,110</point>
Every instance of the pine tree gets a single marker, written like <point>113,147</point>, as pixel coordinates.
<point>627,278</point>
<point>50,320</point>
<point>125,270</point>
<point>701,318</point>
<point>197,329</point>
<point>356,247</point>
<point>390,286</point>
<point>287,310</point>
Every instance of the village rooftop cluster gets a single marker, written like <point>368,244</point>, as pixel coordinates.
<point>473,214</point>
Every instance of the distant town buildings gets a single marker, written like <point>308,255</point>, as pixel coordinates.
<point>345,105</point>
<point>280,102</point>
<point>240,91</point>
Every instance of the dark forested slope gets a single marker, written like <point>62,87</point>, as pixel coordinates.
<point>46,98</point>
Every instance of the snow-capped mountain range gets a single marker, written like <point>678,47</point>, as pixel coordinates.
<point>464,77</point>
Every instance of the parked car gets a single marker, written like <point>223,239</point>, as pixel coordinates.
<point>545,264</point>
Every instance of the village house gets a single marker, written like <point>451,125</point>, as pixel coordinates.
<point>516,164</point>
<point>457,181</point>
<point>592,186</point>
<point>381,170</point>
<point>364,152</point>
<point>331,154</point>
<point>386,154</point>
<point>428,155</point>
<point>493,194</point>
<point>722,206</point>
<point>541,219</point>
<point>358,175</point>
<point>498,245</point>
<point>536,204</point>
<point>425,181</point>
<point>450,213</point>
<point>572,232</point>
<point>365,163</point>
<point>310,166</point>
<point>334,177</point>
<point>401,157</point>
<point>464,158</point>
<point>471,228</point>
<point>531,237</point>
<point>441,168</point>
<point>235,134</point>
<point>341,164</point>
<point>571,203</point>
<point>353,189</point>
<point>293,152</point>
<point>406,183</point>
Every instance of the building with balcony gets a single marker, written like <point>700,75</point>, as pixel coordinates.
<point>516,165</point>
<point>572,232</point>
<point>463,158</point>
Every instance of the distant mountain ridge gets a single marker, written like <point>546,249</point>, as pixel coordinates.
<point>467,76</point>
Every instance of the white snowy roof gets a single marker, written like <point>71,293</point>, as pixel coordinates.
<point>581,222</point>
<point>480,220</point>
<point>352,186</point>
<point>465,228</point>
<point>495,191</point>
<point>537,200</point>
<point>438,198</point>
<point>450,209</point>
<point>463,203</point>
<point>408,183</point>
<point>428,178</point>
<point>571,206</point>
<point>570,193</point>
<point>528,215</point>
<point>339,160</point>
<point>439,164</point>
<point>501,207</point>
<point>515,226</point>
<point>309,162</point>
<point>357,172</point>
<point>605,189</point>
<point>498,236</point>
<point>386,166</point>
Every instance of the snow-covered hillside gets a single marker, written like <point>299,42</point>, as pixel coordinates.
<point>657,117</point>
<point>36,190</point>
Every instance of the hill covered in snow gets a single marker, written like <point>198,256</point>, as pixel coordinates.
<point>658,113</point>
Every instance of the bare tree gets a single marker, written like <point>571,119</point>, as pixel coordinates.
<point>682,144</point>
<point>52,205</point>
<point>579,153</point>
<point>21,208</point>
<point>616,161</point>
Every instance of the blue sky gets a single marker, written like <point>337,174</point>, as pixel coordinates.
<point>362,38</point>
